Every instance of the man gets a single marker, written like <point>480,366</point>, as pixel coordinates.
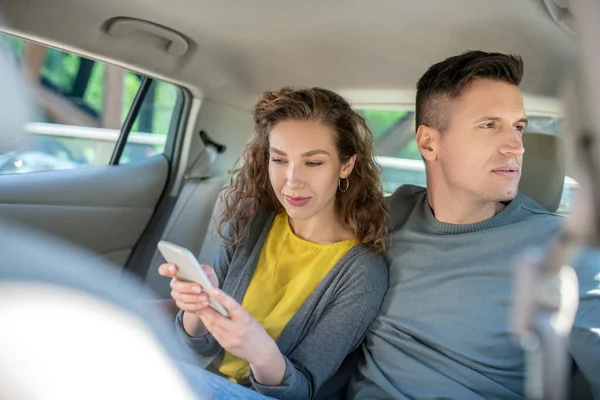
<point>443,330</point>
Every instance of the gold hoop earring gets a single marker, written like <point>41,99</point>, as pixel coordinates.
<point>340,184</point>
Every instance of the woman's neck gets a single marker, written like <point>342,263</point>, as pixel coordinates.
<point>321,229</point>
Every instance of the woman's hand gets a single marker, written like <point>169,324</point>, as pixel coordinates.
<point>189,296</point>
<point>244,337</point>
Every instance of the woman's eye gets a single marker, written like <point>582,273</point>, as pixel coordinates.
<point>314,163</point>
<point>277,161</point>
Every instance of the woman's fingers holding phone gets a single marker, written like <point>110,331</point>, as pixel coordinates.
<point>185,287</point>
<point>190,302</point>
<point>189,298</point>
<point>210,274</point>
<point>193,308</point>
<point>168,270</point>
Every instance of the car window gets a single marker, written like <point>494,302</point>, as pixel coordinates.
<point>399,158</point>
<point>80,107</point>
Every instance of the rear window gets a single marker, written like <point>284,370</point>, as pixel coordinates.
<point>80,108</point>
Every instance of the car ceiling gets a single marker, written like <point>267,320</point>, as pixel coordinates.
<point>239,48</point>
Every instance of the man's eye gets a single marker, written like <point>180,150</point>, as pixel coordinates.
<point>489,125</point>
<point>520,128</point>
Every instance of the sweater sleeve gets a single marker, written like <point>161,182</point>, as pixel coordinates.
<point>337,332</point>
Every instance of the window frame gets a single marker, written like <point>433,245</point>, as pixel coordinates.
<point>176,125</point>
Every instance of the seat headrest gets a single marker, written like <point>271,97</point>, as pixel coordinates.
<point>544,166</point>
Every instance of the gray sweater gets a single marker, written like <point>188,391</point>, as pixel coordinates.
<point>443,330</point>
<point>329,325</point>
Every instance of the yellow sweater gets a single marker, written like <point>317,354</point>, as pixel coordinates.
<point>288,270</point>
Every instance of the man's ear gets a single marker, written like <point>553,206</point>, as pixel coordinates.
<point>347,167</point>
<point>427,142</point>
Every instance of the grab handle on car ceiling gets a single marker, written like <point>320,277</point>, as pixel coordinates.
<point>177,44</point>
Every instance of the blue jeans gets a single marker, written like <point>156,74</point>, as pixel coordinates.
<point>209,386</point>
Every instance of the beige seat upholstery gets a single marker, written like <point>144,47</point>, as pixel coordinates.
<point>191,223</point>
<point>544,166</point>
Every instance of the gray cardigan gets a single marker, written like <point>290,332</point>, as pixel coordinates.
<point>330,324</point>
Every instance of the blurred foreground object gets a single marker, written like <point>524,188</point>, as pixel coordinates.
<point>547,292</point>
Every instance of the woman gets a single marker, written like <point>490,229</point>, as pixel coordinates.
<point>302,273</point>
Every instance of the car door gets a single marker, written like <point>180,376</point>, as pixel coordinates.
<point>94,159</point>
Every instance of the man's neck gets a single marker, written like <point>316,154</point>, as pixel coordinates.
<point>460,210</point>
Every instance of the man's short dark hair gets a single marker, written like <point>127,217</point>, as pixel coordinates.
<point>446,80</point>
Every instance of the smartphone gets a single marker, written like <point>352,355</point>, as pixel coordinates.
<point>189,270</point>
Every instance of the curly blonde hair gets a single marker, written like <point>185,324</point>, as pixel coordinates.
<point>361,208</point>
